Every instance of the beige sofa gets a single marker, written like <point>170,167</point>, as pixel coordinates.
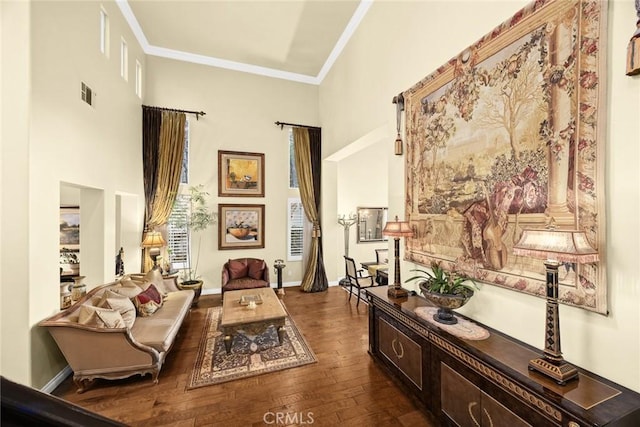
<point>117,351</point>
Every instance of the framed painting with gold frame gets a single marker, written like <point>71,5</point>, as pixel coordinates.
<point>240,174</point>
<point>240,226</point>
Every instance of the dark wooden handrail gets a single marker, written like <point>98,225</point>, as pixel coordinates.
<point>26,406</point>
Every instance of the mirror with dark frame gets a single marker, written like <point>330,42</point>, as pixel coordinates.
<point>371,221</point>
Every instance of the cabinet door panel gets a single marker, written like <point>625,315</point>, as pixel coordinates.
<point>401,350</point>
<point>409,355</point>
<point>386,337</point>
<point>496,415</point>
<point>460,399</point>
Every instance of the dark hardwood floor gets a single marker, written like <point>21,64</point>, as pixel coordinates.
<point>344,388</point>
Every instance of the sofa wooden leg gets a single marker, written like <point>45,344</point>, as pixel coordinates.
<point>154,375</point>
<point>83,384</point>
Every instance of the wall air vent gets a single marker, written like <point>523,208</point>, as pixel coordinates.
<point>86,94</point>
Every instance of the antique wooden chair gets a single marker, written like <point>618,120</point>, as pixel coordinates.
<point>356,278</point>
<point>382,256</point>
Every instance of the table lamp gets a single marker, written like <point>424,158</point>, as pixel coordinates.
<point>153,241</point>
<point>397,229</point>
<point>555,247</point>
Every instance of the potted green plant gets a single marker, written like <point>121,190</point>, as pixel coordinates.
<point>197,218</point>
<point>447,290</point>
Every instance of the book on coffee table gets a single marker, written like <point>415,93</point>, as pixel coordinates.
<point>246,299</point>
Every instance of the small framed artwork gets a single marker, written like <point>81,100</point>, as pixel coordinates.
<point>70,228</point>
<point>240,174</point>
<point>240,226</point>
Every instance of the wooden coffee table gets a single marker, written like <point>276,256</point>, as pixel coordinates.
<point>238,318</point>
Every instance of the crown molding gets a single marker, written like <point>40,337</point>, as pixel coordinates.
<point>162,52</point>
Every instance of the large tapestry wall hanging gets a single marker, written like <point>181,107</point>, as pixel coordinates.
<point>510,135</point>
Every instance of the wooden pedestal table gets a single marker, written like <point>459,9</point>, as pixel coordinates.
<point>251,321</point>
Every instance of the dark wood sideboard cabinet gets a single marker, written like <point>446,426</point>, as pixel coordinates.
<point>485,382</point>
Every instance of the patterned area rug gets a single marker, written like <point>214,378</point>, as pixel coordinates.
<point>250,355</point>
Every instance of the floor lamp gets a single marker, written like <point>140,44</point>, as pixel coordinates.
<point>346,223</point>
<point>397,229</point>
<point>555,247</point>
<point>153,241</point>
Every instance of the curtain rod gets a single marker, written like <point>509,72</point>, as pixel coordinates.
<point>283,124</point>
<point>197,113</point>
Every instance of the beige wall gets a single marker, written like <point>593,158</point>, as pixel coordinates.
<point>241,110</point>
<point>65,142</point>
<point>362,182</point>
<point>14,181</point>
<point>399,43</point>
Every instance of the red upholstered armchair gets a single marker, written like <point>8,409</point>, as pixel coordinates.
<point>244,273</point>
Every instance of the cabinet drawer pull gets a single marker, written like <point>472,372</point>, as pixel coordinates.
<point>469,408</point>
<point>488,417</point>
<point>393,346</point>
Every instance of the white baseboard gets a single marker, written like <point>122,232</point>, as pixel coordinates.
<point>57,380</point>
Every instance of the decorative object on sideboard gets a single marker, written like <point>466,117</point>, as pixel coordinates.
<point>555,247</point>
<point>399,101</point>
<point>633,50</point>
<point>78,289</point>
<point>70,261</point>
<point>153,241</point>
<point>397,229</point>
<point>447,290</point>
<point>120,262</point>
<point>65,295</point>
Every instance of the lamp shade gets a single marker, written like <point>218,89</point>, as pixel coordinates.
<point>153,239</point>
<point>561,245</point>
<point>397,229</point>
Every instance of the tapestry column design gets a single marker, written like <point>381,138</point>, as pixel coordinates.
<point>561,125</point>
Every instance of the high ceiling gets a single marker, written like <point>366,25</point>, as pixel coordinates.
<point>292,39</point>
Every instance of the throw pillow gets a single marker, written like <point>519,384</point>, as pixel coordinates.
<point>121,303</point>
<point>127,282</point>
<point>256,269</point>
<point>155,277</point>
<point>100,317</point>
<point>127,291</point>
<point>237,269</point>
<point>148,301</point>
<point>170,284</point>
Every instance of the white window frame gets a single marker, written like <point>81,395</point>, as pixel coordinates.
<point>124,59</point>
<point>138,79</point>
<point>104,32</point>
<point>178,237</point>
<point>178,240</point>
<point>295,226</point>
